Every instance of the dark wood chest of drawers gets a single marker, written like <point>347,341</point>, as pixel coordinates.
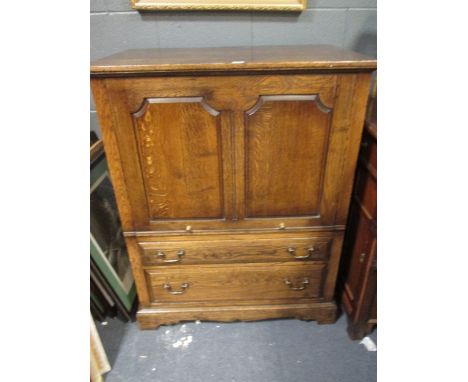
<point>233,170</point>
<point>358,273</point>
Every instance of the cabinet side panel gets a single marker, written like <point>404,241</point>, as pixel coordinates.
<point>104,112</point>
<point>137,271</point>
<point>333,264</point>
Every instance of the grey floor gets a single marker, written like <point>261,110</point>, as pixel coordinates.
<point>265,351</point>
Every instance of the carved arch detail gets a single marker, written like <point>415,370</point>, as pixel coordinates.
<point>310,97</point>
<point>148,101</point>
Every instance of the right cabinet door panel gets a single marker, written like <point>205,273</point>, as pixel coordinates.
<point>286,147</point>
<point>300,152</point>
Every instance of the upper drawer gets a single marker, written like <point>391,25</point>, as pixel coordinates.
<point>247,248</point>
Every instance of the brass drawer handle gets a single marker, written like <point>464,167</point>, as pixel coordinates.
<point>183,288</point>
<point>292,251</point>
<point>162,256</point>
<point>305,284</point>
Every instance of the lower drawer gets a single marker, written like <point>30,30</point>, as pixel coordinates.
<point>235,282</point>
<point>236,249</point>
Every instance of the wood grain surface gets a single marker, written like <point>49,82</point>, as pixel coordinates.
<point>153,317</point>
<point>286,138</point>
<point>249,249</point>
<point>179,144</point>
<point>233,59</point>
<point>217,161</point>
<point>236,282</point>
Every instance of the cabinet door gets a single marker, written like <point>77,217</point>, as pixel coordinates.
<point>167,154</point>
<point>232,152</point>
<point>300,149</point>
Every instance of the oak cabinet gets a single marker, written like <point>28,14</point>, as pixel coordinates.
<point>233,180</point>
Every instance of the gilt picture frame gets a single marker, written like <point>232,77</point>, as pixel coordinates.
<point>221,5</point>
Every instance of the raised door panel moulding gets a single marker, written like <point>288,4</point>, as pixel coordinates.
<point>179,148</point>
<point>287,138</point>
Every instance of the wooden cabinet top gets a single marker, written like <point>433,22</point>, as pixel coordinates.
<point>232,59</point>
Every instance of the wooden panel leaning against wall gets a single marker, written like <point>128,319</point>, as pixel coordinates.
<point>233,180</point>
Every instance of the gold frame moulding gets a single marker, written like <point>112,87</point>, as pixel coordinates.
<point>222,5</point>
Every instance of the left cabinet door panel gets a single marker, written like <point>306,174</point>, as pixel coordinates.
<point>172,152</point>
<point>179,148</point>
